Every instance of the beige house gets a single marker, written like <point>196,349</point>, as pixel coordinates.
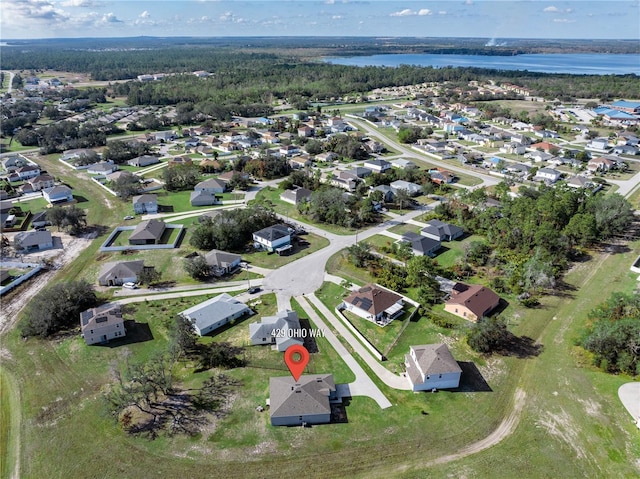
<point>471,301</point>
<point>99,325</point>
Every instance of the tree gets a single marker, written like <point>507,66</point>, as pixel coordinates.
<point>613,214</point>
<point>126,186</point>
<point>71,218</point>
<point>58,308</point>
<point>403,198</point>
<point>149,275</point>
<point>478,253</point>
<point>360,254</point>
<point>183,336</point>
<point>181,177</point>
<point>220,355</point>
<point>488,335</point>
<point>197,267</point>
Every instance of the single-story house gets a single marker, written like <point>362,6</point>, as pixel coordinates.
<point>99,325</point>
<point>204,198</point>
<point>146,203</point>
<point>388,193</point>
<point>432,366</point>
<point>440,176</point>
<point>144,160</point>
<point>327,157</point>
<point>374,304</point>
<point>7,220</point>
<point>164,135</point>
<point>40,219</point>
<point>441,231</point>
<point>27,241</point>
<point>58,194</point>
<point>578,181</point>
<point>360,172</point>
<point>222,262</point>
<point>377,166</point>
<point>215,313</point>
<point>147,232</point>
<point>412,189</point>
<point>548,175</point>
<point>471,301</point>
<point>283,330</point>
<point>116,273</point>
<point>296,196</point>
<point>403,164</point>
<point>298,162</point>
<point>421,245</point>
<point>212,185</point>
<point>306,401</point>
<point>102,168</point>
<point>4,275</point>
<point>273,237</point>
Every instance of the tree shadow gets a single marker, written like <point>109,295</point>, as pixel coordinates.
<point>80,199</point>
<point>136,333</point>
<point>309,343</point>
<point>471,379</point>
<point>165,208</point>
<point>522,347</point>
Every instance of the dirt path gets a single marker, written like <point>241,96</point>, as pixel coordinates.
<point>506,427</point>
<point>12,307</point>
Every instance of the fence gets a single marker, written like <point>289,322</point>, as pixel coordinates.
<point>119,229</point>
<point>21,279</point>
<point>360,336</point>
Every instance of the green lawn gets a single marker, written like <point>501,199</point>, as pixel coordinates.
<point>271,197</point>
<point>451,251</point>
<point>380,337</point>
<point>339,265</point>
<point>264,259</point>
<point>403,228</point>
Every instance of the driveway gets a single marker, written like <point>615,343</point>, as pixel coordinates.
<point>629,395</point>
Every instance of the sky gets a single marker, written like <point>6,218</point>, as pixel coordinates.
<point>609,19</point>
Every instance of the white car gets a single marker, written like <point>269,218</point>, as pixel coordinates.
<point>130,285</point>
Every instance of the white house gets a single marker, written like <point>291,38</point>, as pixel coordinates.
<point>58,194</point>
<point>432,366</point>
<point>273,237</point>
<point>215,313</point>
<point>377,166</point>
<point>282,330</point>
<point>548,175</point>
<point>374,304</point>
<point>99,325</point>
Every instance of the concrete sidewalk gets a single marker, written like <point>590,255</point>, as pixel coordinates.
<point>363,385</point>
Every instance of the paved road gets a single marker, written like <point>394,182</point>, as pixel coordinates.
<point>363,385</point>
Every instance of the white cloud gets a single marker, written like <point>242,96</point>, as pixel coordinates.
<point>563,20</point>
<point>407,12</point>
<point>145,14</point>
<point>425,11</point>
<point>468,2</point>
<point>23,13</point>
<point>337,17</point>
<point>110,18</point>
<point>442,12</point>
<point>81,3</point>
<point>551,9</point>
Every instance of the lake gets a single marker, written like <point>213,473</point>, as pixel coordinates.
<point>578,63</point>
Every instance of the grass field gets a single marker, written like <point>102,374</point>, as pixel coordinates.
<point>264,259</point>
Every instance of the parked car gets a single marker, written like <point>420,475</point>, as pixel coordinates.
<point>253,289</point>
<point>129,217</point>
<point>130,285</point>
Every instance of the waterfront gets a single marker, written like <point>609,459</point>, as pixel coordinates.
<point>577,63</point>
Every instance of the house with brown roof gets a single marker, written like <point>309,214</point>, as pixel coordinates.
<point>306,401</point>
<point>432,366</point>
<point>374,304</point>
<point>99,325</point>
<point>471,301</point>
<point>41,182</point>
<point>147,232</point>
<point>600,164</point>
<point>116,273</point>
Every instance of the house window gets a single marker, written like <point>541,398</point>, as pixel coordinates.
<point>92,331</point>
<point>456,310</point>
<point>439,376</point>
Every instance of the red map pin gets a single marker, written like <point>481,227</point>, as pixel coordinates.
<point>296,358</point>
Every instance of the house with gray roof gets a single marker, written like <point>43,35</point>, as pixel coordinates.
<point>281,330</point>
<point>147,232</point>
<point>99,325</point>
<point>388,193</point>
<point>146,203</point>
<point>421,245</point>
<point>144,160</point>
<point>273,237</point>
<point>412,189</point>
<point>403,164</point>
<point>204,198</point>
<point>58,194</point>
<point>215,313</point>
<point>222,262</point>
<point>27,241</point>
<point>432,366</point>
<point>296,196</point>
<point>102,168</point>
<point>116,273</point>
<point>212,185</point>
<point>441,231</point>
<point>377,166</point>
<point>306,401</point>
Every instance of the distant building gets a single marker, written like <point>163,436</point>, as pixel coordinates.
<point>441,231</point>
<point>222,262</point>
<point>144,160</point>
<point>147,232</point>
<point>296,196</point>
<point>145,204</point>
<point>58,194</point>
<point>116,273</point>
<point>273,237</point>
<point>28,241</point>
